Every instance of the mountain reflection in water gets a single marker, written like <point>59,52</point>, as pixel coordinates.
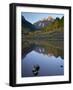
<point>50,61</point>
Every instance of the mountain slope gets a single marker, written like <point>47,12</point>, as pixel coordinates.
<point>56,24</point>
<point>27,26</point>
<point>44,22</point>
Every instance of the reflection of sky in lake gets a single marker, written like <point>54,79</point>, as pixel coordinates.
<point>49,65</point>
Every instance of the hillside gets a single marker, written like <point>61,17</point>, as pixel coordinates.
<point>58,23</point>
<point>27,26</point>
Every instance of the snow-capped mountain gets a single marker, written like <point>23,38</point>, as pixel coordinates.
<point>44,22</point>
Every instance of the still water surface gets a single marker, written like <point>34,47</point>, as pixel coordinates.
<point>49,64</point>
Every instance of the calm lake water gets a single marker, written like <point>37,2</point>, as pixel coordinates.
<point>49,64</point>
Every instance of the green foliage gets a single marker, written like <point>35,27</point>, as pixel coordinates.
<point>58,23</point>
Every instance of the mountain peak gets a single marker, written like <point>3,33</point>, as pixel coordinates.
<point>50,18</point>
<point>44,22</point>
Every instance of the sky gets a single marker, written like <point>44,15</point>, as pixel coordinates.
<point>34,17</point>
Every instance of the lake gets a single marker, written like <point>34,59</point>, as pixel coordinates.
<point>50,64</point>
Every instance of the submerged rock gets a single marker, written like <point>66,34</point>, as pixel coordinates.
<point>35,73</point>
<point>35,70</point>
<point>61,66</point>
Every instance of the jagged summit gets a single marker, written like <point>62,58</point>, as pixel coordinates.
<point>50,18</point>
<point>44,22</point>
